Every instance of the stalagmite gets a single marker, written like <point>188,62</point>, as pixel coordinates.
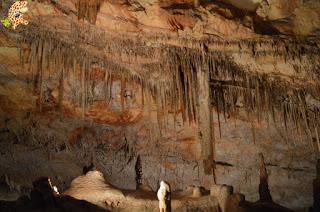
<point>196,192</point>
<point>264,191</point>
<point>205,120</point>
<point>222,193</point>
<point>316,188</point>
<point>138,169</point>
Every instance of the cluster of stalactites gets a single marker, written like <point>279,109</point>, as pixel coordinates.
<point>231,87</point>
<point>88,9</point>
<point>53,59</point>
<point>232,90</point>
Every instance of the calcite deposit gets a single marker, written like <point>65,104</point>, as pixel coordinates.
<point>189,92</point>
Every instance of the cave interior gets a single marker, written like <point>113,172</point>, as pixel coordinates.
<point>101,100</point>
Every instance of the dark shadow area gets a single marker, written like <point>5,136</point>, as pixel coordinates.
<point>264,207</point>
<point>43,198</point>
<point>259,26</point>
<point>316,189</point>
<point>182,6</point>
<point>264,27</point>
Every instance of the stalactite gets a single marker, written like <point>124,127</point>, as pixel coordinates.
<point>40,78</point>
<point>61,88</point>
<point>142,96</point>
<point>88,9</point>
<point>317,137</point>
<point>253,130</point>
<point>307,128</point>
<point>284,115</point>
<point>77,82</point>
<point>257,99</point>
<point>110,83</point>
<point>122,93</point>
<point>218,113</point>
<point>83,97</point>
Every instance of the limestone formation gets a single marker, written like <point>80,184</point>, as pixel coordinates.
<point>196,192</point>
<point>264,192</point>
<point>180,90</point>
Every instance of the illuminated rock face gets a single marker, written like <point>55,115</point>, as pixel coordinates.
<point>191,92</point>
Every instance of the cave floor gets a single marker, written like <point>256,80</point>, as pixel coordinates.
<point>147,201</point>
<point>180,201</point>
<point>144,201</point>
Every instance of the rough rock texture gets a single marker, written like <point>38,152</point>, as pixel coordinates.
<point>294,16</point>
<point>223,194</point>
<point>196,90</point>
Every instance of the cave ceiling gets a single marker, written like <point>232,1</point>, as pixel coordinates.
<point>143,29</point>
<point>267,51</point>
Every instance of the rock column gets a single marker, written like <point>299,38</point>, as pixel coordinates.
<point>316,189</point>
<point>205,120</point>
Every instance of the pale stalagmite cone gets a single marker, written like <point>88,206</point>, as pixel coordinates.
<point>196,192</point>
<point>221,192</point>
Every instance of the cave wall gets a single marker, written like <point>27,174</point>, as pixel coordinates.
<point>111,136</point>
<point>34,145</point>
<point>47,136</point>
<point>122,121</point>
